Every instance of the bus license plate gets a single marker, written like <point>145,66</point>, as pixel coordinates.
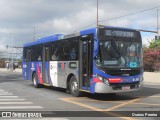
<point>126,88</point>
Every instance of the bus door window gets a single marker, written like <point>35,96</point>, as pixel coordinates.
<point>45,63</point>
<point>84,57</point>
<point>38,52</point>
<point>86,60</point>
<point>28,63</point>
<point>73,54</point>
<point>28,55</point>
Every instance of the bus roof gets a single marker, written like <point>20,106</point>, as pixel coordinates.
<point>44,40</point>
<point>61,36</point>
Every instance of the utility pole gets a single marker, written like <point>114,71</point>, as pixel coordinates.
<point>12,51</point>
<point>33,32</point>
<point>97,13</point>
<point>157,23</point>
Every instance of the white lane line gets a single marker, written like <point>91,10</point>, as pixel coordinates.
<point>12,99</point>
<point>3,92</point>
<point>8,96</point>
<point>20,107</point>
<point>6,103</point>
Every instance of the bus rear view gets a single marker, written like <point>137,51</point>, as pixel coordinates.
<point>119,60</point>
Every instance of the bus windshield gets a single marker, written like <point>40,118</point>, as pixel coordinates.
<point>119,52</point>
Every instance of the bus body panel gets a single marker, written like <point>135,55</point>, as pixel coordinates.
<point>54,73</point>
<point>103,88</point>
<point>60,70</point>
<point>24,70</point>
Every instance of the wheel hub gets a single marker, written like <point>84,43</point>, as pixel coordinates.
<point>74,86</point>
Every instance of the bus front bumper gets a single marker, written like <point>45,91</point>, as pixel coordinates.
<point>100,87</point>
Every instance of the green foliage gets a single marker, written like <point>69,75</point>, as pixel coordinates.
<point>19,63</point>
<point>154,44</point>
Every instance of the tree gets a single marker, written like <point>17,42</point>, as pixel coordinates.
<point>151,59</point>
<point>154,43</point>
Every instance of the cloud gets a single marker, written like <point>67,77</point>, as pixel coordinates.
<point>62,16</point>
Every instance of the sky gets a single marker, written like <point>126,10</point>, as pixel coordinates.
<point>49,17</point>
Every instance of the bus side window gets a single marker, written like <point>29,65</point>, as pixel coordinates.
<point>38,52</point>
<point>73,49</point>
<point>54,51</point>
<point>24,54</point>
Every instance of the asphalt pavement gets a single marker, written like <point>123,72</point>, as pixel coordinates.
<point>17,94</point>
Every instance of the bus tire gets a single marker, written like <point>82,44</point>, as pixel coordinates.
<point>74,89</point>
<point>35,81</point>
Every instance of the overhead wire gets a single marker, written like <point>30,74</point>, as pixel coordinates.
<point>120,17</point>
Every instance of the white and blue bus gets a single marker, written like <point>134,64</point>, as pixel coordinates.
<point>97,60</point>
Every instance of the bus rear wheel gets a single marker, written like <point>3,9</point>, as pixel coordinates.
<point>74,87</point>
<point>35,81</point>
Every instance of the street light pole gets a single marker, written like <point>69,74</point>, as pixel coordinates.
<point>97,13</point>
<point>33,32</point>
<point>12,51</point>
<point>157,23</point>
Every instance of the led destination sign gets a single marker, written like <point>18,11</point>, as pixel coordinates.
<point>120,33</point>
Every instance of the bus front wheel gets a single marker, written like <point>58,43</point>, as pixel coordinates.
<point>74,87</point>
<point>35,81</point>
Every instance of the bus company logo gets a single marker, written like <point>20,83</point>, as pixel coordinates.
<point>6,114</point>
<point>62,65</point>
<point>24,66</point>
<point>32,65</point>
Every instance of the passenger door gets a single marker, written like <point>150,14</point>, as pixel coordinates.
<point>28,64</point>
<point>86,60</point>
<point>45,63</point>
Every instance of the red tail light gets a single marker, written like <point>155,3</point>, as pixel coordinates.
<point>96,80</point>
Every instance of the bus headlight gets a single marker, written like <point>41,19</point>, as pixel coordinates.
<point>100,78</point>
<point>105,81</point>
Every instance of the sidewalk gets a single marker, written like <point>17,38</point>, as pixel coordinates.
<point>16,70</point>
<point>149,77</point>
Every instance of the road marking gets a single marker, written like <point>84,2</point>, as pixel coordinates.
<point>3,92</point>
<point>123,104</point>
<point>20,107</point>
<point>154,96</point>
<point>80,104</point>
<point>93,108</point>
<point>12,99</point>
<point>149,104</point>
<point>8,96</point>
<point>6,103</point>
